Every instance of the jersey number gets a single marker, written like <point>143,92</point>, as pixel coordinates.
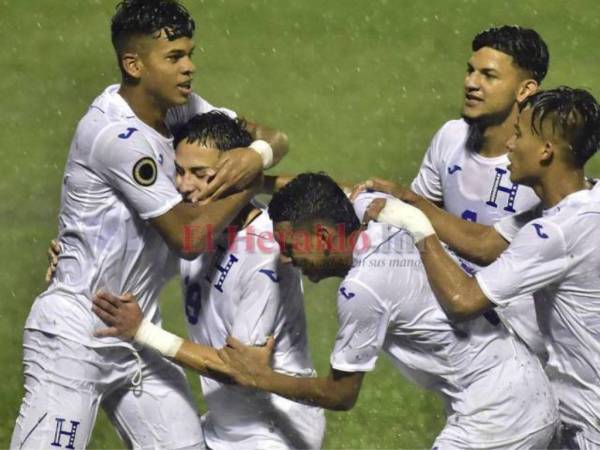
<point>193,302</point>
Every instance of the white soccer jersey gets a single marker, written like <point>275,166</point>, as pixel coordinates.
<point>495,389</point>
<point>120,173</point>
<point>478,189</point>
<point>556,258</point>
<point>469,185</point>
<point>243,291</point>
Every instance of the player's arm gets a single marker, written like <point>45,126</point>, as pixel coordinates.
<point>478,243</point>
<point>128,163</point>
<point>277,139</point>
<point>232,173</point>
<point>125,320</point>
<point>458,293</point>
<point>537,257</point>
<point>249,366</point>
<point>190,229</point>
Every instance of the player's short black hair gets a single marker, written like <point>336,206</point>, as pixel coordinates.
<point>214,128</point>
<point>310,197</point>
<point>575,115</point>
<point>150,17</point>
<point>526,46</point>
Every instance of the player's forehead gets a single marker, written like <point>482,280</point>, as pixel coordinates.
<point>492,59</point>
<point>160,43</point>
<point>195,154</point>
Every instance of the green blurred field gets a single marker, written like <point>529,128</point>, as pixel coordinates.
<point>360,86</point>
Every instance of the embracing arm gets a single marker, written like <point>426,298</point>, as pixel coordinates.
<point>190,229</point>
<point>338,391</point>
<point>124,319</point>
<point>478,243</point>
<point>249,366</point>
<point>458,293</point>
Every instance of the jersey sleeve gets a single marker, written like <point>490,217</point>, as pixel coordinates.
<point>125,160</point>
<point>428,182</point>
<point>536,258</point>
<point>509,226</point>
<point>362,326</point>
<point>260,297</point>
<point>179,115</point>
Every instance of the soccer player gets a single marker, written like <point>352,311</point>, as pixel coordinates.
<point>121,223</point>
<point>497,392</point>
<point>241,289</point>
<point>465,167</point>
<point>553,252</point>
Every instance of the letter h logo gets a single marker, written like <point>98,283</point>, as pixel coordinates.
<point>511,191</point>
<point>59,433</point>
<point>224,272</point>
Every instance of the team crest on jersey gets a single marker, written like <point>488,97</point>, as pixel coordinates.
<point>145,171</point>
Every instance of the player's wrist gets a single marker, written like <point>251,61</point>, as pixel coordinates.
<point>402,215</point>
<point>265,151</point>
<point>154,337</point>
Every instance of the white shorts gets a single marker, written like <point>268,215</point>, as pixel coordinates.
<point>66,382</point>
<point>537,440</point>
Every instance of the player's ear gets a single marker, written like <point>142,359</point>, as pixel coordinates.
<point>527,88</point>
<point>547,152</point>
<point>323,237</point>
<point>131,64</point>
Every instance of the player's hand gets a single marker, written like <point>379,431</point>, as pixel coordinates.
<point>387,187</point>
<point>247,364</point>
<point>53,252</point>
<point>121,314</point>
<point>236,170</point>
<point>402,215</point>
<point>373,210</point>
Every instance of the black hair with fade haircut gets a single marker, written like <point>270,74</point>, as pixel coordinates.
<point>525,45</point>
<point>150,17</point>
<point>313,196</point>
<point>575,114</point>
<point>216,129</point>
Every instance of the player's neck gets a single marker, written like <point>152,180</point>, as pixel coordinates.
<point>145,108</point>
<point>554,187</point>
<point>495,137</point>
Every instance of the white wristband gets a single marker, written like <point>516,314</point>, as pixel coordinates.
<point>153,336</point>
<point>264,149</point>
<point>403,215</point>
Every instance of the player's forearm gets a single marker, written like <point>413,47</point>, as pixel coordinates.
<point>191,229</point>
<point>278,140</point>
<point>312,391</point>
<point>202,359</point>
<point>456,291</point>
<point>478,243</point>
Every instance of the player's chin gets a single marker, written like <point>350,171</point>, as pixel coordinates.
<point>471,114</point>
<point>181,96</point>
